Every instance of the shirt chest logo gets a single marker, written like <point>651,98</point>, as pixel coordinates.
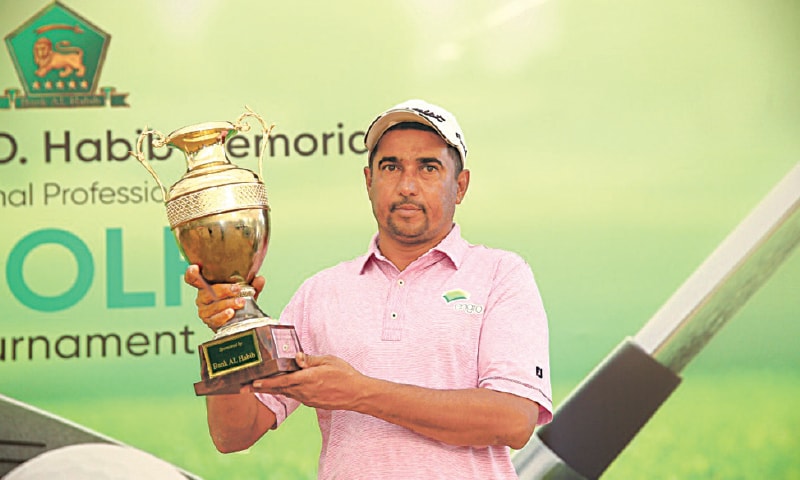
<point>456,295</point>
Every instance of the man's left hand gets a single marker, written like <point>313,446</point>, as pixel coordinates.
<point>325,382</point>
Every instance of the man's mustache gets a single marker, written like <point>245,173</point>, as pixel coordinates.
<point>404,203</point>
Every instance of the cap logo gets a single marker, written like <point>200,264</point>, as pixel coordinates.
<point>435,116</point>
<point>429,114</point>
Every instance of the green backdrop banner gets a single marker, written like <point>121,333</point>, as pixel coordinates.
<point>612,144</point>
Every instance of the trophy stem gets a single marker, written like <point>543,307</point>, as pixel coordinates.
<point>249,316</point>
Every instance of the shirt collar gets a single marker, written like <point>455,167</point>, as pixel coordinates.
<point>452,246</point>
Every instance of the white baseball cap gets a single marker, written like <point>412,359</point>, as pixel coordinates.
<point>419,111</point>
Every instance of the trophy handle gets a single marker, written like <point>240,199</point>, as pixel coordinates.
<point>158,142</point>
<point>243,127</point>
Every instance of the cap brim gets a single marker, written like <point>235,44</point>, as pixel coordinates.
<point>390,119</point>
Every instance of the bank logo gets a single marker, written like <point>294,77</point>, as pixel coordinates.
<point>58,56</point>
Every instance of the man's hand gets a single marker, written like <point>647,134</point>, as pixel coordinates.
<point>325,382</point>
<point>216,303</point>
<point>472,416</point>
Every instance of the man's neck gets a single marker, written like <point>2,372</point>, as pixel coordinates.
<point>403,254</point>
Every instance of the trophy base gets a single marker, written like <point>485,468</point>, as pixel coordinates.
<point>234,360</point>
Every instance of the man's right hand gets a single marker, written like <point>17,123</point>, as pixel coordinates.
<point>216,303</point>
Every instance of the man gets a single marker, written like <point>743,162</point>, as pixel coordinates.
<point>425,358</point>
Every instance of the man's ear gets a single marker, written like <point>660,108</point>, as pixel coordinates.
<point>368,177</point>
<point>463,184</point>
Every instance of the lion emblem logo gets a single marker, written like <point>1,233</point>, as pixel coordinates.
<point>58,56</point>
<point>64,57</point>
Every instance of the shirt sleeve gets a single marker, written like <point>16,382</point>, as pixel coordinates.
<point>514,354</point>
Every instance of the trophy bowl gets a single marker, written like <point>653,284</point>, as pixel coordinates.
<point>219,214</point>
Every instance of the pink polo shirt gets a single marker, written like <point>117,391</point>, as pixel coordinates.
<point>460,316</point>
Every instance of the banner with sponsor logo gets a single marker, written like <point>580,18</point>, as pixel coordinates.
<point>612,146</point>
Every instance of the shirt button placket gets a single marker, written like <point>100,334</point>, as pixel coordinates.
<point>392,326</point>
<point>400,283</point>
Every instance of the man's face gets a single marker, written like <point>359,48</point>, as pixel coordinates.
<point>413,187</point>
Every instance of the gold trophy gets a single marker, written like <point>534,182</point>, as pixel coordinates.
<point>220,217</point>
